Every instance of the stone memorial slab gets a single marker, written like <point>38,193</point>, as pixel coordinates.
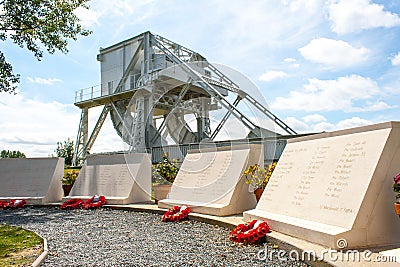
<point>335,189</point>
<point>37,180</point>
<point>210,181</point>
<point>121,178</point>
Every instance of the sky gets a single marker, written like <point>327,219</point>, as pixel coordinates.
<point>321,65</point>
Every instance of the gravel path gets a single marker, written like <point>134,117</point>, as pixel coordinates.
<point>123,238</point>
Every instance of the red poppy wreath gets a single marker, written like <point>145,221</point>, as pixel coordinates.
<point>72,204</point>
<point>249,232</point>
<point>94,202</point>
<point>176,214</point>
<point>13,204</point>
<point>2,204</point>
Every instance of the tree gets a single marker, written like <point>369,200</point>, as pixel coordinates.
<point>38,25</point>
<point>65,150</point>
<point>11,154</point>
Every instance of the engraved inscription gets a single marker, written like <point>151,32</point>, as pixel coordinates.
<point>218,178</point>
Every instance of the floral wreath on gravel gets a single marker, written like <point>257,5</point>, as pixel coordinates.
<point>12,204</point>
<point>94,202</point>
<point>249,232</point>
<point>72,204</point>
<point>176,214</point>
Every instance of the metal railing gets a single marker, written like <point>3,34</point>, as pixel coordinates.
<point>136,80</point>
<point>132,82</point>
<point>106,89</point>
<point>273,150</point>
<point>88,93</point>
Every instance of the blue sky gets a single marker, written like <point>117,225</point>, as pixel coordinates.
<point>321,65</point>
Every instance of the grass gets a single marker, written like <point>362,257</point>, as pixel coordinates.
<point>18,247</point>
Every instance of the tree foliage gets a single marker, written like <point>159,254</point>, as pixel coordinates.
<point>65,150</point>
<point>7,77</point>
<point>37,25</point>
<point>11,154</point>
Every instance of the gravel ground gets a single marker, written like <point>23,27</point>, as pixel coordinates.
<point>123,238</point>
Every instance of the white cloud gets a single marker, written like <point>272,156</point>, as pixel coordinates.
<point>263,26</point>
<point>301,126</point>
<point>396,60</point>
<point>124,9</point>
<point>49,81</point>
<point>289,59</point>
<point>323,127</point>
<point>272,75</point>
<point>292,61</point>
<point>314,118</point>
<point>334,53</point>
<point>88,17</point>
<point>373,107</point>
<point>116,19</point>
<point>296,5</point>
<point>352,122</point>
<point>354,15</point>
<point>298,125</point>
<point>329,95</point>
<point>35,127</point>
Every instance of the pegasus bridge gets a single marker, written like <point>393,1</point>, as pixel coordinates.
<point>163,97</point>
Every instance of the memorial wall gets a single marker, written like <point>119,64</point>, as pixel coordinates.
<point>121,178</point>
<point>210,181</point>
<point>335,186</point>
<point>37,180</point>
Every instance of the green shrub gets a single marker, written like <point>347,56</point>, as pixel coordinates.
<point>166,169</point>
<point>70,176</point>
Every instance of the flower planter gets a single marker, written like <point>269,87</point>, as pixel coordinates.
<point>397,208</point>
<point>258,192</point>
<point>161,191</point>
<point>67,188</point>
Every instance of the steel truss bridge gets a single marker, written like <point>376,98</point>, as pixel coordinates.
<point>149,85</point>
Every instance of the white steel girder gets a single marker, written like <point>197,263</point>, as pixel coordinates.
<point>144,62</point>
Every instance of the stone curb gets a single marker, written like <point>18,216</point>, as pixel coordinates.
<point>42,256</point>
